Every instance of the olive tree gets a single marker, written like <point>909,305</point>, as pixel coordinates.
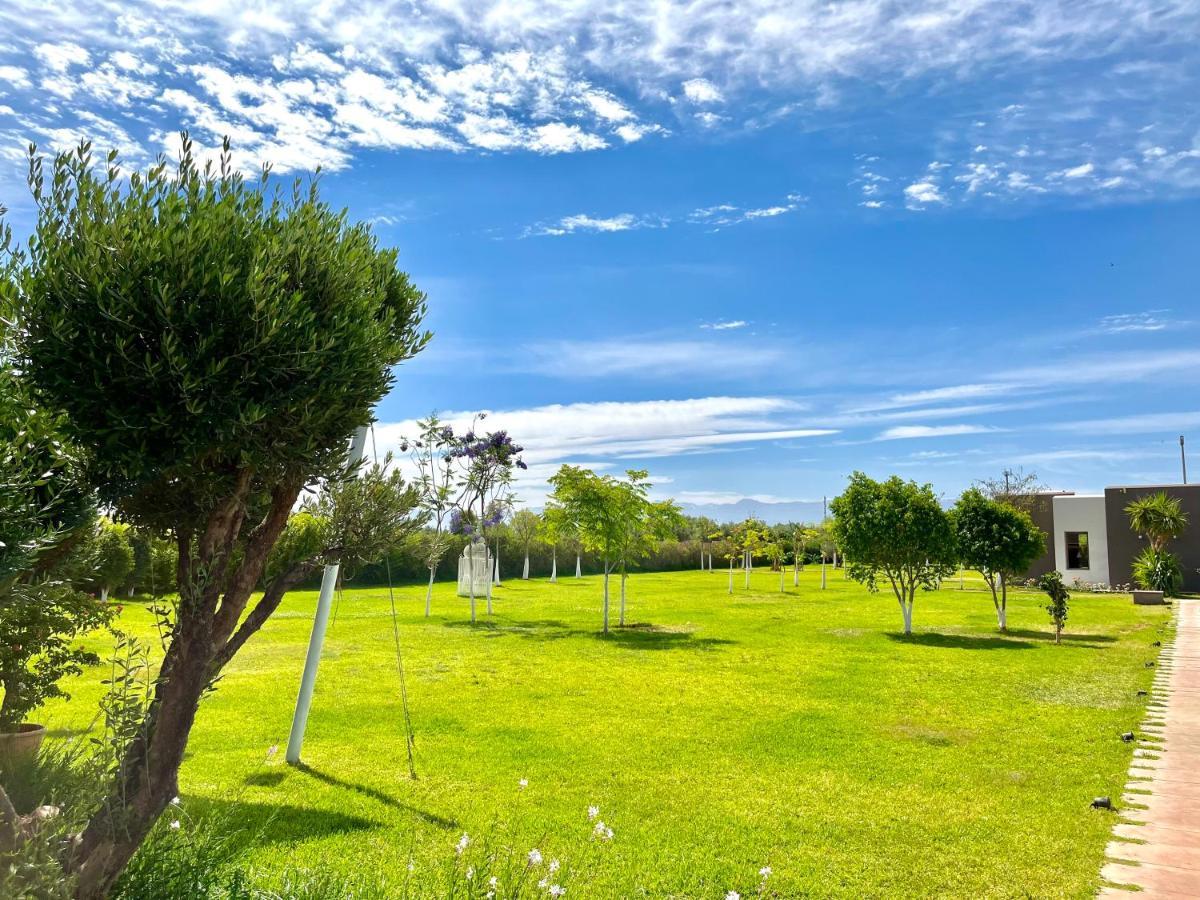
<point>999,540</point>
<point>896,530</point>
<point>211,344</point>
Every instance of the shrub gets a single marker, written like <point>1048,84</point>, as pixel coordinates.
<point>1158,570</point>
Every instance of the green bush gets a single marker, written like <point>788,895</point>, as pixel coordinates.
<point>1158,570</point>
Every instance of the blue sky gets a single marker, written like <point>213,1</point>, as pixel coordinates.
<point>748,246</point>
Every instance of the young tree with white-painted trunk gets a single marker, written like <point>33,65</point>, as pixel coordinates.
<point>777,553</point>
<point>616,519</point>
<point>524,528</point>
<point>999,540</point>
<point>111,556</point>
<point>553,528</point>
<point>436,481</point>
<point>895,530</point>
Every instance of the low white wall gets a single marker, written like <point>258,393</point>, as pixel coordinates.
<point>1081,513</point>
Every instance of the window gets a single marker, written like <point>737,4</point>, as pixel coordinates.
<point>1077,549</point>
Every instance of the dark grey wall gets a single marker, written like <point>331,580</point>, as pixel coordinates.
<point>1041,509</point>
<point>1124,544</point>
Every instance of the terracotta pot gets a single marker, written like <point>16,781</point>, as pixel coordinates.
<point>21,746</point>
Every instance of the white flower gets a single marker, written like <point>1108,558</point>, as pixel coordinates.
<point>603,831</point>
<point>411,866</point>
<point>557,890</point>
<point>593,811</point>
<point>553,866</point>
<point>535,857</point>
<point>733,895</point>
<point>470,872</point>
<point>272,750</point>
<point>493,882</point>
<point>765,872</point>
<point>175,825</point>
<point>544,883</point>
<point>463,843</point>
<point>175,802</point>
<point>523,783</point>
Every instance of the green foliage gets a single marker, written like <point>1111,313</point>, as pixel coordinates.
<point>525,527</point>
<point>1157,516</point>
<point>1158,570</point>
<point>1052,584</point>
<point>39,622</point>
<point>190,326</point>
<point>896,530</point>
<point>112,555</point>
<point>995,538</point>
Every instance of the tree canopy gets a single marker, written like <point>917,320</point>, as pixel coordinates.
<point>999,540</point>
<point>895,530</point>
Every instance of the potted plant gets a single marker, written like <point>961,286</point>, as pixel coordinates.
<point>40,622</point>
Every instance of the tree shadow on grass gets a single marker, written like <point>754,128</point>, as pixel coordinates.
<point>375,794</point>
<point>1067,637</point>
<point>638,636</point>
<point>960,641</point>
<point>645,636</point>
<point>280,823</point>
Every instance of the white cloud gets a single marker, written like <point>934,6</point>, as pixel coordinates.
<point>601,434</point>
<point>60,57</point>
<point>701,90</point>
<point>15,76</point>
<point>1081,171</point>
<point>922,193</point>
<point>725,325</point>
<point>640,356</point>
<point>909,432</point>
<point>1151,320</point>
<point>585,223</point>
<point>559,137</point>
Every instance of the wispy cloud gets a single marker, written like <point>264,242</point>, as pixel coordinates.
<point>1168,423</point>
<point>1150,320</point>
<point>725,325</point>
<point>712,218</point>
<point>910,432</point>
<point>585,223</point>
<point>669,358</point>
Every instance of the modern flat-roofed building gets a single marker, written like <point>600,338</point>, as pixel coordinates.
<point>1089,539</point>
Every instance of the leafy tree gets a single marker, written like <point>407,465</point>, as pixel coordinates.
<point>524,527</point>
<point>431,453</point>
<point>999,540</point>
<point>1160,518</point>
<point>112,556</point>
<point>777,553</point>
<point>1052,584</point>
<point>211,345</point>
<point>615,517</point>
<point>1014,487</point>
<point>897,530</point>
<point>552,525</point>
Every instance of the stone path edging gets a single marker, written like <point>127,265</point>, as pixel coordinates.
<point>1155,851</point>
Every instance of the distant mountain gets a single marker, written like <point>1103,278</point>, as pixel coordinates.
<point>771,513</point>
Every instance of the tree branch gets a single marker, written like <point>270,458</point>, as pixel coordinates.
<point>263,609</point>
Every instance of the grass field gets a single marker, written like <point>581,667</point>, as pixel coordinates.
<point>719,735</point>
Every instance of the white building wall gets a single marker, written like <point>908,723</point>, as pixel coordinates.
<point>1076,512</point>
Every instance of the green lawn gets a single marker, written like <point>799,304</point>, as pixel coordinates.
<point>717,736</point>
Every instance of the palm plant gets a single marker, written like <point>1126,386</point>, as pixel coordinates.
<point>1158,517</point>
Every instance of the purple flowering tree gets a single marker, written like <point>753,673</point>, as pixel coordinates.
<point>485,464</point>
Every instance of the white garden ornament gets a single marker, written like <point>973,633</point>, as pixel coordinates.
<point>474,565</point>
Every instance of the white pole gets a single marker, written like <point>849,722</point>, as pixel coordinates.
<point>320,621</point>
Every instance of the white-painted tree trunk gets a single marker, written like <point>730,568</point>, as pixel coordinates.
<point>429,590</point>
<point>495,579</point>
<point>623,577</point>
<point>906,613</point>
<point>701,557</point>
<point>1002,617</point>
<point>554,566</point>
<point>606,598</point>
<point>781,571</point>
<point>822,571</point>
<point>578,565</point>
<point>749,568</point>
<point>731,576</point>
<point>525,569</point>
<point>1002,612</point>
<point>796,573</point>
<point>104,595</point>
